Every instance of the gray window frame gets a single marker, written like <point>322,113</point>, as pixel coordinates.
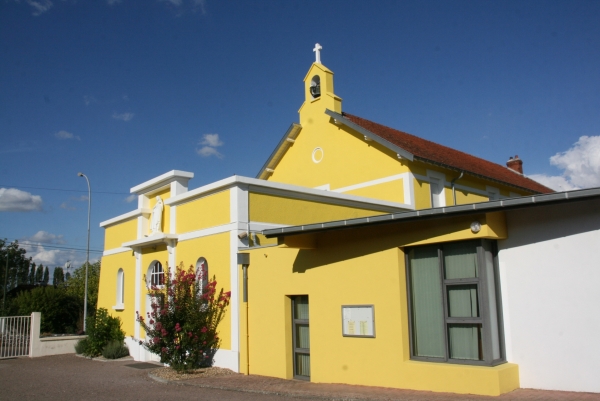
<point>483,304</point>
<point>304,351</point>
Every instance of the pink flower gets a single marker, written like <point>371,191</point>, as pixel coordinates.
<point>204,330</point>
<point>156,340</point>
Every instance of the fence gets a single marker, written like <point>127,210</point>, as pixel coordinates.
<point>15,336</point>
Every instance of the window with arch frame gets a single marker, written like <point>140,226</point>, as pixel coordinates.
<point>202,273</point>
<point>157,274</point>
<point>120,287</point>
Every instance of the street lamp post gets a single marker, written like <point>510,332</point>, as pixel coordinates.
<point>87,258</point>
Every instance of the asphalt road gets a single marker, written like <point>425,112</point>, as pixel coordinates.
<point>67,377</point>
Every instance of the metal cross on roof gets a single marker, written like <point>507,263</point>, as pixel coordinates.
<point>317,50</point>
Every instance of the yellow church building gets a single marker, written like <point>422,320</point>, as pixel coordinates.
<point>335,307</point>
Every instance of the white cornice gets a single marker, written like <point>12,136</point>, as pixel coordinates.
<point>293,191</point>
<point>126,216</point>
<point>162,180</point>
<point>151,240</point>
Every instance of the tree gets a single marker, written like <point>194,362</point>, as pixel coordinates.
<point>58,277</point>
<point>182,325</point>
<point>39,274</point>
<point>46,278</point>
<point>13,264</point>
<point>31,277</point>
<point>60,311</point>
<point>76,285</point>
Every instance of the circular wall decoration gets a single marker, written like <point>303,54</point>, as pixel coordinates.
<point>475,227</point>
<point>317,155</point>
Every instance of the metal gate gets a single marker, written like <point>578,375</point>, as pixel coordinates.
<point>15,335</point>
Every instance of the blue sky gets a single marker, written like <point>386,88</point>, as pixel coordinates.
<point>125,90</point>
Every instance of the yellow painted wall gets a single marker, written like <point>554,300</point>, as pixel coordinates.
<point>392,191</point>
<point>116,234</point>
<point>353,269</point>
<point>164,194</point>
<point>277,209</point>
<point>208,211</point>
<point>107,294</point>
<point>216,250</point>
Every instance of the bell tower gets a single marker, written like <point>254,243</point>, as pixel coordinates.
<point>318,90</point>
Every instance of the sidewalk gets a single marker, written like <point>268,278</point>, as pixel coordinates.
<point>338,392</point>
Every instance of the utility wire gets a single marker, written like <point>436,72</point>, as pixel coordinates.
<point>63,190</point>
<point>33,244</point>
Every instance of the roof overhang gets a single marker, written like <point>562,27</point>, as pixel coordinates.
<point>440,212</point>
<point>284,144</point>
<point>340,119</point>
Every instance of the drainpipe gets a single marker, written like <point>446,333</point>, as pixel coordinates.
<point>244,260</point>
<point>452,185</point>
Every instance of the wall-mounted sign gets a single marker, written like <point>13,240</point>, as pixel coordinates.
<point>358,321</point>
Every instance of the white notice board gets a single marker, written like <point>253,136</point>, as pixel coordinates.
<point>358,321</point>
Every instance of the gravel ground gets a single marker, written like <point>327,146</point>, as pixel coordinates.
<point>170,374</point>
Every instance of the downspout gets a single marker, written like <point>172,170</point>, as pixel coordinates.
<point>452,185</point>
<point>244,260</point>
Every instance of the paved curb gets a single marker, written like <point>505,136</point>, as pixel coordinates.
<point>265,392</point>
<point>103,359</point>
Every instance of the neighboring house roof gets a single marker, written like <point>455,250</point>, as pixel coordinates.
<point>567,197</point>
<point>431,152</point>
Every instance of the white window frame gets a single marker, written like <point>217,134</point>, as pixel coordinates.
<point>120,304</point>
<point>439,180</point>
<point>202,276</point>
<point>493,193</point>
<point>152,273</point>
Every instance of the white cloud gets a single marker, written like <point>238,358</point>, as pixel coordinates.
<point>15,200</point>
<point>88,99</point>
<point>66,206</point>
<point>66,135</point>
<point>580,163</point>
<point>209,143</point>
<point>211,140</point>
<point>39,6</point>
<point>46,238</point>
<point>207,151</point>
<point>131,198</point>
<point>123,116</point>
<point>557,182</point>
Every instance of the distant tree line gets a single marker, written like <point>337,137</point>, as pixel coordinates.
<point>27,290</point>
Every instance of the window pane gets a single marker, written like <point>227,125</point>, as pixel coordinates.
<point>302,336</point>
<point>303,365</point>
<point>460,260</point>
<point>491,290</point>
<point>427,306</point>
<point>465,341</point>
<point>301,307</point>
<point>462,301</point>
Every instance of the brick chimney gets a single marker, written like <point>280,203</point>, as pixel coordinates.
<point>515,164</point>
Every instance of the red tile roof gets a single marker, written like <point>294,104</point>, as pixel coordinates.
<point>431,152</point>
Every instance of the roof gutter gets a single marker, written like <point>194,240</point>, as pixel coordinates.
<point>440,212</point>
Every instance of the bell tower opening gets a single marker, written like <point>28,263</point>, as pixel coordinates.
<point>315,87</point>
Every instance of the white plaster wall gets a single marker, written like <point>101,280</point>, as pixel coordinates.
<point>550,283</point>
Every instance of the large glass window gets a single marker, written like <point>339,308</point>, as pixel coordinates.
<point>453,302</point>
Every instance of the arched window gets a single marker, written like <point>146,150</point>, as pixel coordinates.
<point>202,273</point>
<point>156,274</point>
<point>120,287</point>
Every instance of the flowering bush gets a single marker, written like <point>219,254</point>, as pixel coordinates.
<point>182,325</point>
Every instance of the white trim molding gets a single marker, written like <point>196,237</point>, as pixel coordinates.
<point>126,216</point>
